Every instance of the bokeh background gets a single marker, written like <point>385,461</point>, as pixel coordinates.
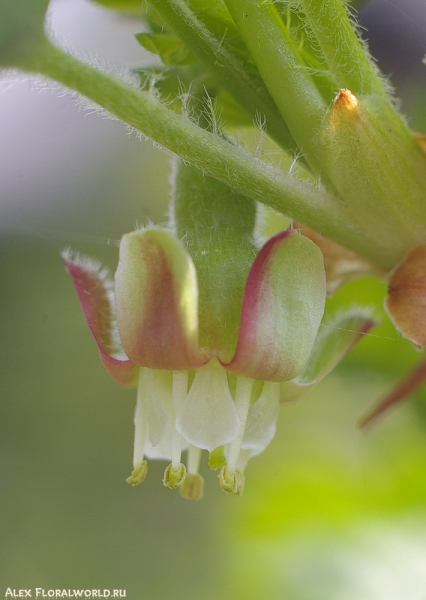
<point>328,513</point>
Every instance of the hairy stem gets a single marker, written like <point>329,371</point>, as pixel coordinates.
<point>289,83</point>
<point>215,156</point>
<point>348,62</point>
<point>229,69</point>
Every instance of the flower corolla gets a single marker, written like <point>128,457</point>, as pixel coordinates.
<point>216,393</point>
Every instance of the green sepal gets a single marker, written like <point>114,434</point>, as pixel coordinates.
<point>156,300</point>
<point>338,332</point>
<point>282,309</point>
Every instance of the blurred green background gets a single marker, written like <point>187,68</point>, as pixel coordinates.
<point>328,513</point>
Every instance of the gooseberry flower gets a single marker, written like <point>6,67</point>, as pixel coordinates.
<point>192,397</point>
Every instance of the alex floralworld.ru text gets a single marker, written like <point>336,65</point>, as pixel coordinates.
<point>42,593</point>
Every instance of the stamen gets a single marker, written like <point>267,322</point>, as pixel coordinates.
<point>173,478</point>
<point>175,473</point>
<point>233,483</point>
<point>194,456</point>
<point>180,390</point>
<point>138,474</point>
<point>193,486</point>
<point>242,403</point>
<point>230,478</point>
<point>140,466</point>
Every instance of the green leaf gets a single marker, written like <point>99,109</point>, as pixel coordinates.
<point>230,112</point>
<point>169,48</point>
<point>21,30</point>
<point>173,83</point>
<point>193,85</point>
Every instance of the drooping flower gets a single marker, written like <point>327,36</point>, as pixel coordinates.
<point>192,396</point>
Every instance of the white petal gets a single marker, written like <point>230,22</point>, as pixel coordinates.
<point>208,417</point>
<point>262,418</point>
<point>164,386</point>
<point>155,414</point>
<point>141,429</point>
<point>163,450</point>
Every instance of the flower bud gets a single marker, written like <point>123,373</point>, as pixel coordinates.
<point>378,169</point>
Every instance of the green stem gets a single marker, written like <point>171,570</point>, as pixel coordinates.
<point>228,68</point>
<point>216,157</point>
<point>290,85</point>
<point>346,55</point>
